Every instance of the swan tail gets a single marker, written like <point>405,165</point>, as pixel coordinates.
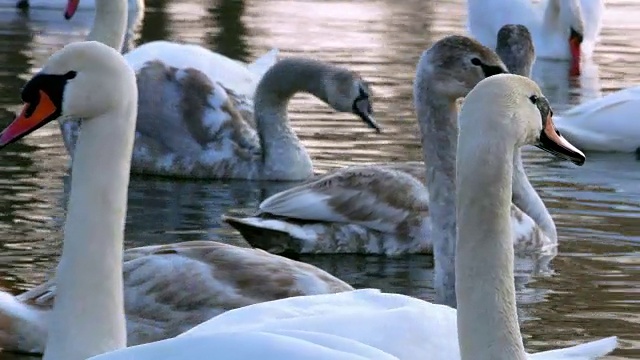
<point>261,65</point>
<point>591,350</point>
<point>288,237</point>
<point>272,235</point>
<point>23,327</point>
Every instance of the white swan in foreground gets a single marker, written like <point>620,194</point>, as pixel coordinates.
<point>168,289</point>
<point>385,208</point>
<point>561,29</point>
<point>89,312</point>
<point>607,124</point>
<point>202,115</point>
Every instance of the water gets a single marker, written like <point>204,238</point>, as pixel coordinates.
<point>592,286</point>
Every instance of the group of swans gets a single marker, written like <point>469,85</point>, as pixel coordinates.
<point>386,208</point>
<point>230,139</point>
<point>202,115</point>
<point>600,125</point>
<point>160,281</point>
<point>88,80</point>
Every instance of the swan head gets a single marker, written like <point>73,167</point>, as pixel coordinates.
<point>516,104</point>
<point>348,92</point>
<point>82,80</point>
<point>515,48</point>
<point>454,65</point>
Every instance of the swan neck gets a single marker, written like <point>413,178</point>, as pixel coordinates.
<point>516,63</point>
<point>281,149</point>
<point>559,15</point>
<point>439,131</point>
<point>89,312</point>
<point>487,318</point>
<point>110,24</point>
<point>551,14</point>
<point>528,200</point>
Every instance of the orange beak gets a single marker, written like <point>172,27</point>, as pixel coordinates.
<point>552,142</point>
<point>31,118</point>
<point>72,6</point>
<point>575,39</point>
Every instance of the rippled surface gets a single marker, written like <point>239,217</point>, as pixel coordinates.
<point>591,290</point>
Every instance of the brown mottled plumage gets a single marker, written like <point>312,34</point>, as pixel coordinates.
<point>171,288</point>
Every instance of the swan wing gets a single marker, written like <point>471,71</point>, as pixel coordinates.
<point>402,326</point>
<point>181,113</point>
<point>606,124</point>
<point>216,67</point>
<point>172,288</point>
<point>252,345</point>
<point>586,351</point>
<point>527,234</point>
<point>261,65</point>
<point>373,196</point>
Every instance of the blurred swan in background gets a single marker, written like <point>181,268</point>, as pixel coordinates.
<point>561,29</point>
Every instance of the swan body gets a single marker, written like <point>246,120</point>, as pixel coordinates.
<point>561,29</point>
<point>168,289</point>
<point>365,324</point>
<point>384,208</point>
<point>355,325</point>
<point>379,209</point>
<point>197,110</point>
<point>605,124</point>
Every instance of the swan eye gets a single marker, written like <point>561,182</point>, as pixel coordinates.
<point>475,61</point>
<point>534,99</point>
<point>70,75</point>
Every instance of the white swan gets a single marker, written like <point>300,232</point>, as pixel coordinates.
<point>607,124</point>
<point>362,324</point>
<point>385,208</point>
<point>562,29</point>
<point>132,5</point>
<point>167,289</point>
<point>196,108</point>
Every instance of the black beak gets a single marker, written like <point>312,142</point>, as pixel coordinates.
<point>552,142</point>
<point>576,36</point>
<point>362,108</point>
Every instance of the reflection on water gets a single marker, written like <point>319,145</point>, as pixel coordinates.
<point>589,289</point>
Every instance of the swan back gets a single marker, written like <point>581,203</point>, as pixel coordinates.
<point>515,48</point>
